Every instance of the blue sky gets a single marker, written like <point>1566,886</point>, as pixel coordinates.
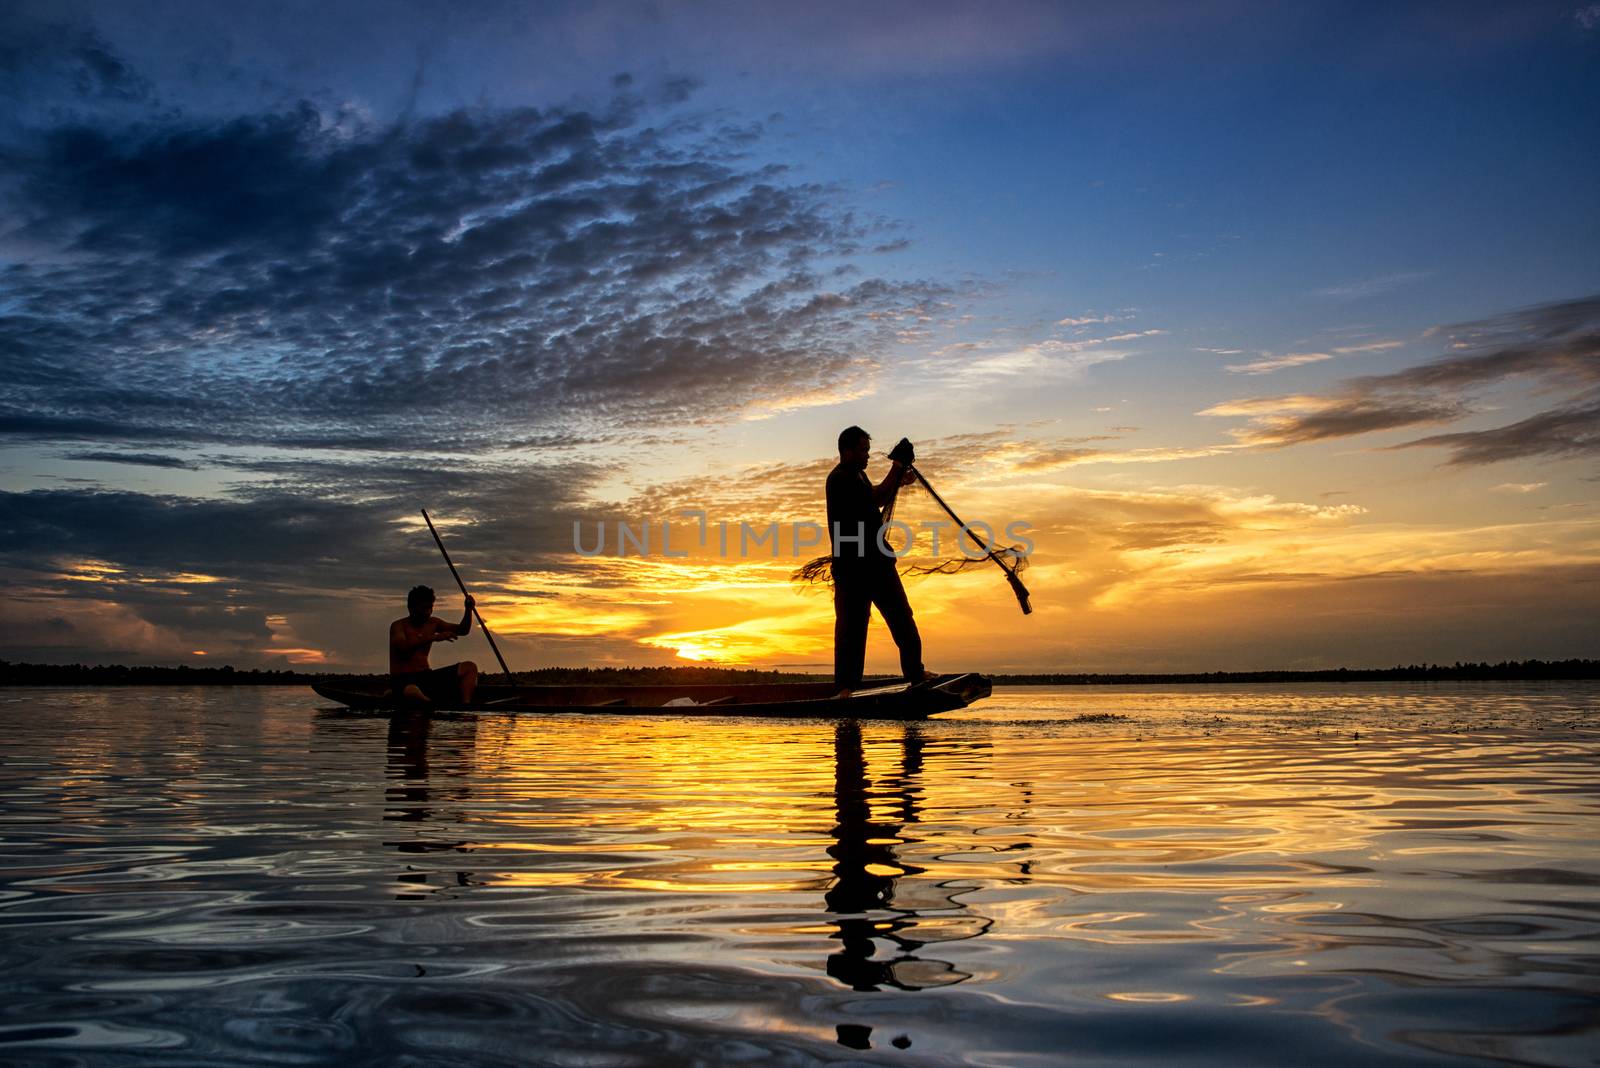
<point>1244,303</point>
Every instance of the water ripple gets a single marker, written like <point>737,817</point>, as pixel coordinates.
<point>1404,875</point>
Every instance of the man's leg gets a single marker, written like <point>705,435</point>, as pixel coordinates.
<point>852,609</point>
<point>467,680</point>
<point>890,597</point>
<point>443,685</point>
<point>406,690</point>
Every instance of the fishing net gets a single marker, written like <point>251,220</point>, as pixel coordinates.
<point>1012,558</point>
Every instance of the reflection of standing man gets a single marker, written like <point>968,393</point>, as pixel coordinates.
<point>861,903</point>
<point>864,572</point>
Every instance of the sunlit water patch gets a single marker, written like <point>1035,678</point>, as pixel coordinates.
<point>1323,875</point>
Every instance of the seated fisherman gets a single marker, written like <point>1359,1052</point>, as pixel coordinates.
<point>409,638</point>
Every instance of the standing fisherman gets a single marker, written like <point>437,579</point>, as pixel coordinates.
<point>864,572</point>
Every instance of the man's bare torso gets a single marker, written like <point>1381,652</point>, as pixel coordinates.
<point>409,643</point>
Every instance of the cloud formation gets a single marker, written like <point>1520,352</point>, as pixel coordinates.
<point>1269,363</point>
<point>1571,431</point>
<point>1554,346</point>
<point>71,62</point>
<point>201,258</point>
<point>1372,287</point>
<point>427,288</point>
<point>309,277</point>
<point>330,542</point>
<point>135,459</point>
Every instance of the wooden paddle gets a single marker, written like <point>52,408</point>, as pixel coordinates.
<point>481,624</point>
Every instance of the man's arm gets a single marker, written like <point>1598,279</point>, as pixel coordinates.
<point>401,647</point>
<point>451,631</point>
<point>899,475</point>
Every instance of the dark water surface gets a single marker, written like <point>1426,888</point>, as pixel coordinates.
<point>1261,875</point>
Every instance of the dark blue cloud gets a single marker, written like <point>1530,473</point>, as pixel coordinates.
<point>308,540</point>
<point>312,277</point>
<point>303,275</point>
<point>1555,346</point>
<point>135,459</point>
<point>1561,432</point>
<point>69,59</point>
<point>262,183</point>
<point>307,524</point>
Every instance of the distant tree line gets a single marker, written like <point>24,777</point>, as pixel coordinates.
<point>120,675</point>
<point>1506,670</point>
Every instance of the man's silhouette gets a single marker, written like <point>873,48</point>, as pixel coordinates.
<point>410,676</point>
<point>864,572</point>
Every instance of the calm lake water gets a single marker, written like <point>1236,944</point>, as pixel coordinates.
<point>1161,875</point>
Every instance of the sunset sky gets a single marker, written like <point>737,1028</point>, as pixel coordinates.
<point>1278,323</point>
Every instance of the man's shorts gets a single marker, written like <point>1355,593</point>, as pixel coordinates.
<point>442,685</point>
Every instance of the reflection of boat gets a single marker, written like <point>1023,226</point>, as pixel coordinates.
<point>892,700</point>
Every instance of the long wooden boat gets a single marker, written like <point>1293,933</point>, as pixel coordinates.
<point>891,700</point>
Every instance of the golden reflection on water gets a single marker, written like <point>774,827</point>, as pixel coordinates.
<point>871,899</point>
<point>905,841</point>
<point>970,888</point>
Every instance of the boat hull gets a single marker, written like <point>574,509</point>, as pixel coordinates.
<point>893,700</point>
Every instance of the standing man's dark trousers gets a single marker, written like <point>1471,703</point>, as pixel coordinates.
<point>855,591</point>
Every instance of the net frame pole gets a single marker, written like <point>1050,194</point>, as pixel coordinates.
<point>475,614</point>
<point>1021,591</point>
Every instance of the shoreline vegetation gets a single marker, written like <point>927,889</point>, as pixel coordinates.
<point>14,674</point>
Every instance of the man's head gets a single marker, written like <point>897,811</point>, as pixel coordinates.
<point>419,602</point>
<point>855,447</point>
